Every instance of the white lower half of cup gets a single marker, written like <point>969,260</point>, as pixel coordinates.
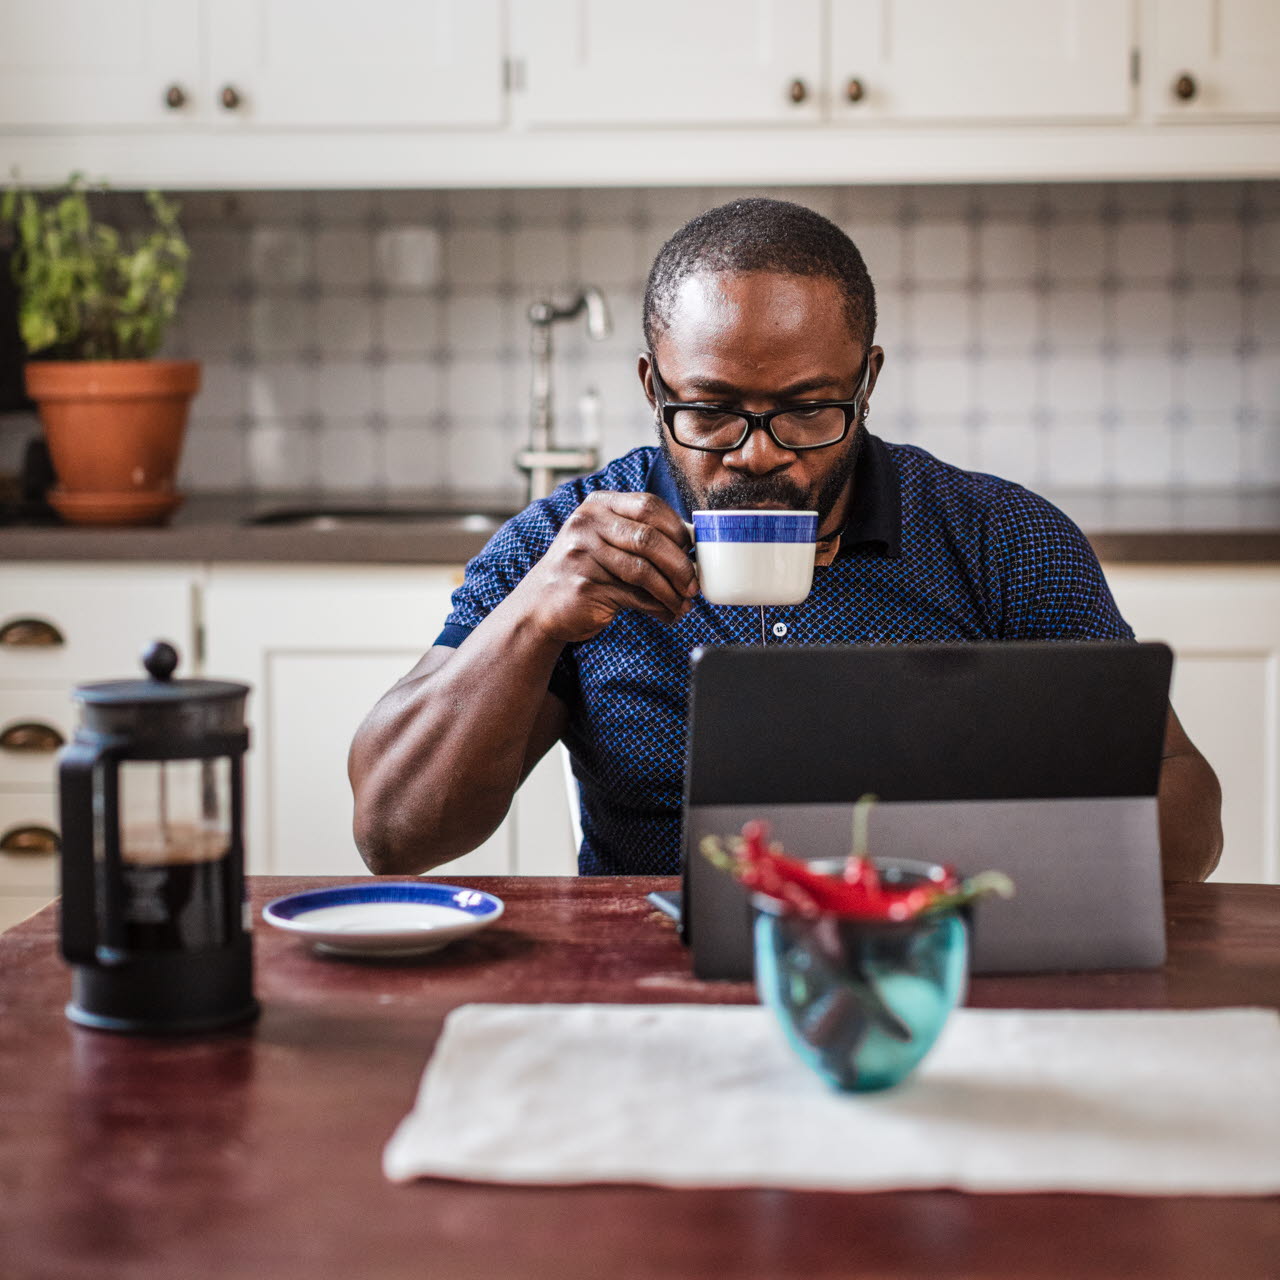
<point>770,573</point>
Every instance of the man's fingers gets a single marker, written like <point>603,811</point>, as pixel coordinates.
<point>632,569</point>
<point>654,545</point>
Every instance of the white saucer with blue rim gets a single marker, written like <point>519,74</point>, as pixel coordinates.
<point>384,920</point>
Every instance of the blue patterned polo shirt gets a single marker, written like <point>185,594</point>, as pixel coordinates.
<point>929,553</point>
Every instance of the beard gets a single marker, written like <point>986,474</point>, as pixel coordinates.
<point>742,492</point>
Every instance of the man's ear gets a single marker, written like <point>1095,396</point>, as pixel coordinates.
<point>644,369</point>
<point>876,358</point>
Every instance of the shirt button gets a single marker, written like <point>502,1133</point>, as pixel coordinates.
<point>779,629</point>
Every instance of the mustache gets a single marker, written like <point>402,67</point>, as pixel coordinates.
<point>755,491</point>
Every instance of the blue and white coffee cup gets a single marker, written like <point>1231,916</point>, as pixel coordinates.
<point>755,557</point>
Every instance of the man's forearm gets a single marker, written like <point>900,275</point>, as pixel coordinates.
<point>436,763</point>
<point>1190,801</point>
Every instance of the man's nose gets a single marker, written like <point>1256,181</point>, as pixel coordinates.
<point>759,454</point>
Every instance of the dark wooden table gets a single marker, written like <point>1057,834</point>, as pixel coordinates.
<point>256,1153</point>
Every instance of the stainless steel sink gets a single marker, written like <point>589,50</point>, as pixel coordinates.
<point>330,518</point>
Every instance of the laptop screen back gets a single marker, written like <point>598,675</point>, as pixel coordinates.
<point>1039,759</point>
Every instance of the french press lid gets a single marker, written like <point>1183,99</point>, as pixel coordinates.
<point>165,716</point>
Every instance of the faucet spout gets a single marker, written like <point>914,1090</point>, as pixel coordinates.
<point>544,460</point>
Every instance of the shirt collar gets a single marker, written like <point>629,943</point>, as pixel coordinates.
<point>875,516</point>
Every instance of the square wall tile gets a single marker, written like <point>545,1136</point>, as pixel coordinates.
<point>479,453</point>
<point>1077,452</point>
<point>282,455</point>
<point>542,256</point>
<point>1143,454</point>
<point>281,325</point>
<point>1075,386</point>
<point>1212,315</point>
<point>409,322</point>
<point>1143,385</point>
<point>410,389</point>
<point>1010,450</point>
<point>476,257</point>
<point>941,320</point>
<point>1144,317</point>
<point>1211,385</point>
<point>1009,388</point>
<point>881,246</point>
<point>280,256</point>
<point>281,391</point>
<point>1213,248</point>
<point>1260,456</point>
<point>1144,249</point>
<point>344,388</point>
<point>219,262</point>
<point>1263,247</point>
<point>1210,453</point>
<point>607,255</point>
<point>224,390</point>
<point>951,441</point>
<point>944,387</point>
<point>1077,251</point>
<point>1008,319</point>
<point>1008,251</point>
<point>1075,316</point>
<point>414,455</point>
<point>214,456</point>
<point>940,252</point>
<point>476,323</point>
<point>350,456</point>
<point>344,258</point>
<point>344,325</point>
<point>408,257</point>
<point>477,390</point>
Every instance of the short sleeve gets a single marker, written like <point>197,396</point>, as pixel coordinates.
<point>1050,584</point>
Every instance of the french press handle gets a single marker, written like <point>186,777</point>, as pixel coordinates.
<point>77,764</point>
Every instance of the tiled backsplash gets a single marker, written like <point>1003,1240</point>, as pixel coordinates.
<point>1099,335</point>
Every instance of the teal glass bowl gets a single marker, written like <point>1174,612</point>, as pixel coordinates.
<point>860,1001</point>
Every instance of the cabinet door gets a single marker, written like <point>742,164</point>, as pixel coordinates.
<point>981,60</point>
<point>376,63</point>
<point>313,703</point>
<point>1212,59</point>
<point>85,63</point>
<point>668,62</point>
<point>319,646</point>
<point>1224,628</point>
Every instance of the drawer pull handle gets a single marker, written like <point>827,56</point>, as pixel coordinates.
<point>1185,87</point>
<point>30,841</point>
<point>31,737</point>
<point>797,90</point>
<point>30,633</point>
<point>855,91</point>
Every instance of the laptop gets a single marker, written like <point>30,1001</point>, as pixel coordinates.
<point>1037,759</point>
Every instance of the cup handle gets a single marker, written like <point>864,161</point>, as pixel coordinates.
<point>693,538</point>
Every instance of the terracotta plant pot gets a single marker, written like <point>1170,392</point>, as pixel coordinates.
<point>115,430</point>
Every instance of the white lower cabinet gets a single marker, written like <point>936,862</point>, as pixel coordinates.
<point>319,646</point>
<point>1223,624</point>
<point>61,625</point>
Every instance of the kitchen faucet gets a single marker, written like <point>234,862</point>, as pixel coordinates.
<point>544,460</point>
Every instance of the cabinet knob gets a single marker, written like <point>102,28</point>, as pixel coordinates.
<point>1185,87</point>
<point>230,97</point>
<point>31,841</point>
<point>855,91</point>
<point>30,633</point>
<point>797,91</point>
<point>31,737</point>
<point>174,97</point>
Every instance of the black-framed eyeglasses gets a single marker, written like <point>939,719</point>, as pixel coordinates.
<point>715,428</point>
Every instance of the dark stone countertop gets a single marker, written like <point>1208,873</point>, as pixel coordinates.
<point>1185,527</point>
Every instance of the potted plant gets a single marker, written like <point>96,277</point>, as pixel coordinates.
<point>93,306</point>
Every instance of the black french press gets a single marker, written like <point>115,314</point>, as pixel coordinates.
<point>153,902</point>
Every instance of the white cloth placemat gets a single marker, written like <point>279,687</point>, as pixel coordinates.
<point>1181,1103</point>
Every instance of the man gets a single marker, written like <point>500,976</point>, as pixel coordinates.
<point>576,621</point>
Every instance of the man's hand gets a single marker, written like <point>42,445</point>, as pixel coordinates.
<point>616,551</point>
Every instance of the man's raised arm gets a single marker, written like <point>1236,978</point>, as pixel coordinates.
<point>436,762</point>
<point>1190,802</point>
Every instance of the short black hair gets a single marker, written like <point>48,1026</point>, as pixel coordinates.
<point>758,234</point>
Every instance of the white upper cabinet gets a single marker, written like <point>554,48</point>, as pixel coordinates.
<point>668,62</point>
<point>1212,60</point>
<point>251,63</point>
<point>981,60</point>
<point>326,64</point>
<point>96,65</point>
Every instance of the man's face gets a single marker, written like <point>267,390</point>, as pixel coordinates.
<point>757,340</point>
